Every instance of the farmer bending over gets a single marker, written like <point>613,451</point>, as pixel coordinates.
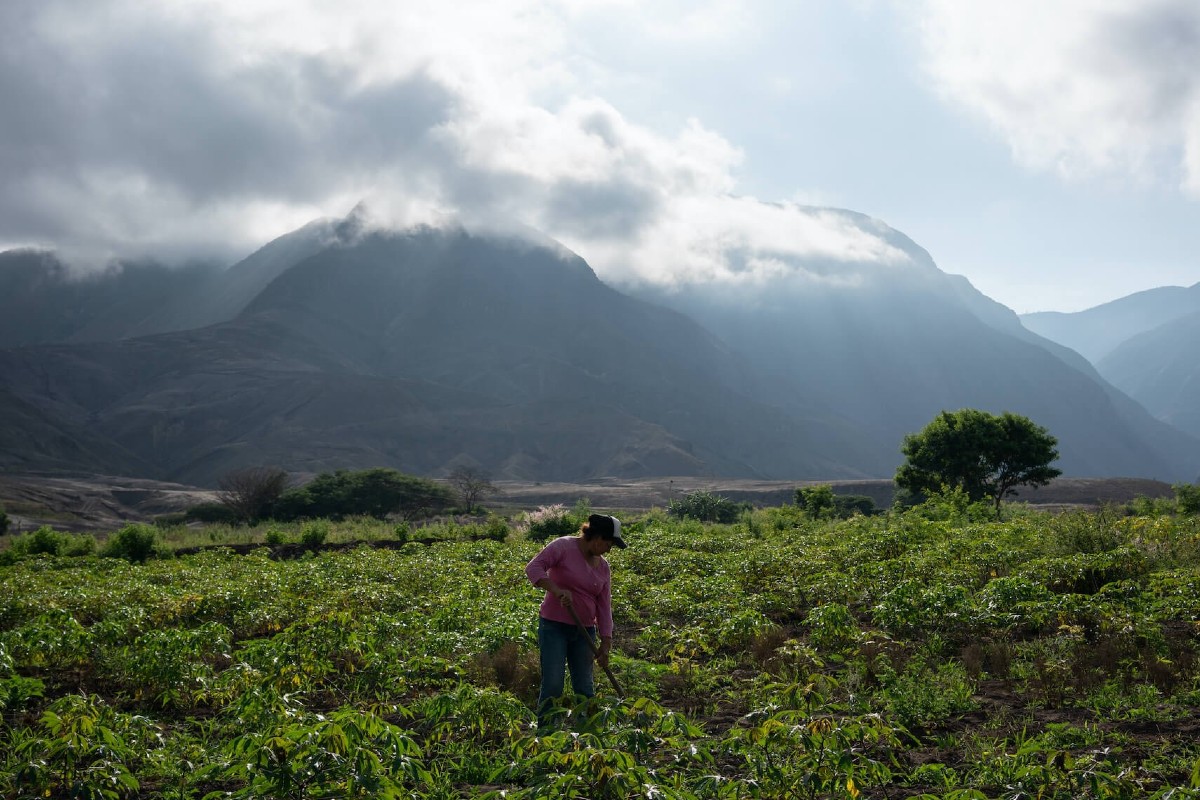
<point>576,577</point>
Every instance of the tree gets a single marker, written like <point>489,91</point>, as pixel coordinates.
<point>816,500</point>
<point>374,492</point>
<point>471,483</point>
<point>985,455</point>
<point>3,522</point>
<point>250,493</point>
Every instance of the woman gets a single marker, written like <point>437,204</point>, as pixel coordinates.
<point>575,575</point>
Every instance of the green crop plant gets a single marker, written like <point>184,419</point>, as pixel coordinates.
<point>81,748</point>
<point>348,753</point>
<point>892,656</point>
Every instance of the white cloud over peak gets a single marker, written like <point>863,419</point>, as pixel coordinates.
<point>1083,88</point>
<point>142,128</point>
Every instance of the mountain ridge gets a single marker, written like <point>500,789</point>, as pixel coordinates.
<point>423,349</point>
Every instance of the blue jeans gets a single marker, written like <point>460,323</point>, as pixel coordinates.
<point>563,645</point>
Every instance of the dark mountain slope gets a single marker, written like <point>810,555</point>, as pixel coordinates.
<point>41,302</point>
<point>901,345</point>
<point>420,350</point>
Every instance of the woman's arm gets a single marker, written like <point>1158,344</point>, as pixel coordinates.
<point>564,597</point>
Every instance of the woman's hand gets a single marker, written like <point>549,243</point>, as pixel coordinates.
<point>602,654</point>
<point>564,597</point>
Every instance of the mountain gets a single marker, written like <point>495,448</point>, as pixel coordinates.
<point>422,350</point>
<point>892,349</point>
<point>1161,370</point>
<point>43,302</point>
<point>1097,331</point>
<point>337,346</point>
<point>1146,345</point>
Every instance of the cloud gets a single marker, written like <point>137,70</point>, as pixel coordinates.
<point>140,128</point>
<point>1083,88</point>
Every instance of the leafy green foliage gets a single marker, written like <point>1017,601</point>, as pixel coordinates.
<point>820,502</point>
<point>372,492</point>
<point>985,455</point>
<point>706,507</point>
<point>134,543</point>
<point>1187,498</point>
<point>927,653</point>
<point>548,522</point>
<point>51,542</point>
<point>212,513</point>
<point>314,533</point>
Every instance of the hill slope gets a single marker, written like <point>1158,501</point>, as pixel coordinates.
<point>423,350</point>
<point>1096,332</point>
<point>1161,369</point>
<point>428,348</point>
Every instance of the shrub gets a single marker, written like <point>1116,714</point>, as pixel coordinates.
<point>548,522</point>
<point>848,505</point>
<point>1187,498</point>
<point>44,540</point>
<point>313,533</point>
<point>819,502</point>
<point>212,513</point>
<point>134,543</point>
<point>275,536</point>
<point>3,521</point>
<point>706,507</point>
<point>56,543</point>
<point>496,528</point>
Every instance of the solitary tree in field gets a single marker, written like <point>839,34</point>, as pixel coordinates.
<point>251,492</point>
<point>471,483</point>
<point>985,455</point>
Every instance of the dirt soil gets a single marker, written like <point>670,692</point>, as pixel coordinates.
<point>102,503</point>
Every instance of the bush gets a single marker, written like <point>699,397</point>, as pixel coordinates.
<point>1187,498</point>
<point>51,542</point>
<point>275,536</point>
<point>496,528</point>
<point>215,513</point>
<point>313,534</point>
<point>706,507</point>
<point>134,543</point>
<point>3,521</point>
<point>548,522</point>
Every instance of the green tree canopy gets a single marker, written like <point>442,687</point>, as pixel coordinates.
<point>370,492</point>
<point>985,455</point>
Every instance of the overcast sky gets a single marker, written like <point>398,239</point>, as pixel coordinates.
<point>1049,150</point>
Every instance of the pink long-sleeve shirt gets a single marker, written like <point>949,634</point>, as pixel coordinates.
<point>590,587</point>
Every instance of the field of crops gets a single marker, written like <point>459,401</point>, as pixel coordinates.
<point>916,654</point>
